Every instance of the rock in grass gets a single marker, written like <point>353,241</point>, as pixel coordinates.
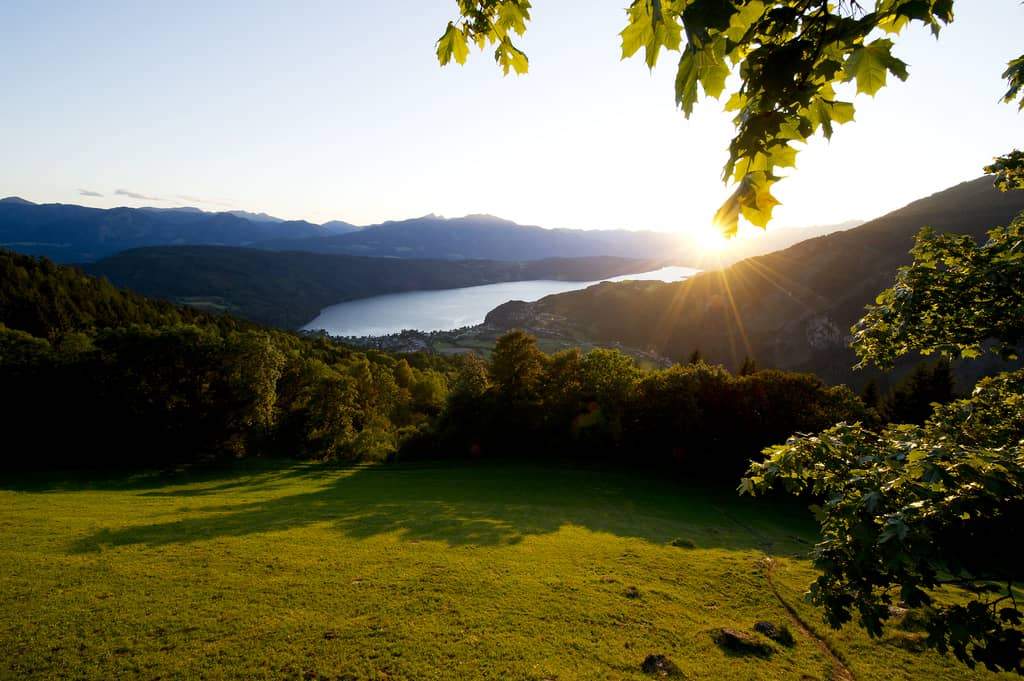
<point>681,543</point>
<point>740,642</point>
<point>659,665</point>
<point>632,592</point>
<point>777,632</point>
<point>915,619</point>
<point>914,643</point>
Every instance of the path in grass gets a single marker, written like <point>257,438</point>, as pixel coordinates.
<point>406,572</point>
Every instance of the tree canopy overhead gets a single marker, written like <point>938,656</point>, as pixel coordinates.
<point>789,56</point>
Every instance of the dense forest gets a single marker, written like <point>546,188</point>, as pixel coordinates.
<point>131,381</point>
<point>138,382</point>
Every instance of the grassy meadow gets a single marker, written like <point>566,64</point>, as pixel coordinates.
<point>411,572</point>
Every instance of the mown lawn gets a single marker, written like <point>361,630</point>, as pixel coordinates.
<point>407,572</point>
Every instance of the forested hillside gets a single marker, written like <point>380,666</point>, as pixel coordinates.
<point>288,289</point>
<point>98,376</point>
<point>791,309</point>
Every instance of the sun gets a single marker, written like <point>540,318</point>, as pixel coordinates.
<point>710,240</point>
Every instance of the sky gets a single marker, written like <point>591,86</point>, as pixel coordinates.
<point>339,110</point>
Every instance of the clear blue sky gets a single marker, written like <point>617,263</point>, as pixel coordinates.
<point>338,110</point>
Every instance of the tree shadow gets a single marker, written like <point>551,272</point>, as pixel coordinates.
<point>481,505</point>
<point>252,473</point>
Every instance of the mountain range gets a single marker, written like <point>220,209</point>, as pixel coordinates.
<point>78,234</point>
<point>69,233</point>
<point>489,237</point>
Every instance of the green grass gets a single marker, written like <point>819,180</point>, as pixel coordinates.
<point>405,572</point>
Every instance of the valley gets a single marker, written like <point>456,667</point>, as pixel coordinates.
<point>512,340</point>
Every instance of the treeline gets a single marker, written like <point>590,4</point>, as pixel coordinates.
<point>94,376</point>
<point>697,418</point>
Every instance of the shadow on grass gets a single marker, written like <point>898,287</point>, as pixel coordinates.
<point>228,476</point>
<point>483,505</point>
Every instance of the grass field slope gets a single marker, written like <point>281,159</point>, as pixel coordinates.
<point>414,572</point>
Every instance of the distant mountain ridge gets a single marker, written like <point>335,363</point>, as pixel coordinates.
<point>489,237</point>
<point>71,233</point>
<point>791,309</point>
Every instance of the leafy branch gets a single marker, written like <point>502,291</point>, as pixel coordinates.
<point>789,56</point>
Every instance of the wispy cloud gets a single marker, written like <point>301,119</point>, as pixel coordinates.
<point>136,195</point>
<point>89,192</point>
<point>196,199</point>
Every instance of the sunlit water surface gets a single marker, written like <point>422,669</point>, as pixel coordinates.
<point>453,308</point>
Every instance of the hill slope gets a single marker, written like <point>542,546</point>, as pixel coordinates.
<point>288,289</point>
<point>791,309</point>
<point>47,300</point>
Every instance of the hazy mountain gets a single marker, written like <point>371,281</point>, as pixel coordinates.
<point>790,309</point>
<point>254,217</point>
<point>290,288</point>
<point>339,227</point>
<point>70,233</point>
<point>489,237</point>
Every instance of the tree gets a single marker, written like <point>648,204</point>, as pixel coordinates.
<point>1008,169</point>
<point>789,54</point>
<point>516,366</point>
<point>912,510</point>
<point>471,380</point>
<point>870,395</point>
<point>956,296</point>
<point>911,401</point>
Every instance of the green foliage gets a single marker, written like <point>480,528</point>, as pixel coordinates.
<point>912,509</point>
<point>953,298</point>
<point>516,365</point>
<point>487,22</point>
<point>1014,75</point>
<point>1008,169</point>
<point>790,55</point>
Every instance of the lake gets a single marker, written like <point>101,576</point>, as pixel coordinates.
<point>453,308</point>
